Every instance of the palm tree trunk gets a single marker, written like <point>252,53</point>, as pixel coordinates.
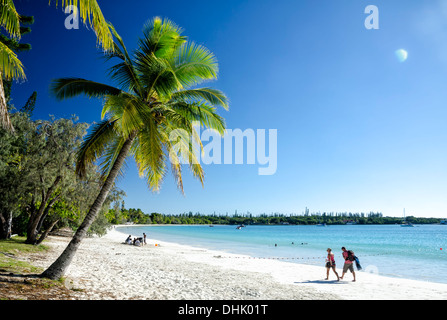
<point>5,122</point>
<point>59,267</point>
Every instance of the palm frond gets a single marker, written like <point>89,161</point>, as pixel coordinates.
<point>194,64</point>
<point>125,76</point>
<point>94,145</point>
<point>9,18</point>
<point>198,172</point>
<point>124,72</point>
<point>116,53</point>
<point>201,113</point>
<point>149,155</point>
<point>129,111</point>
<point>157,76</point>
<point>160,42</point>
<point>109,156</point>
<point>176,170</point>
<point>71,87</point>
<point>10,65</point>
<point>210,95</point>
<point>91,14</point>
<point>161,38</point>
<point>182,148</point>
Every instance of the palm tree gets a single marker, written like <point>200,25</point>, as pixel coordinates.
<point>11,67</point>
<point>156,97</point>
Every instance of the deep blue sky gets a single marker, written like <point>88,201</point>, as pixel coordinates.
<point>358,130</point>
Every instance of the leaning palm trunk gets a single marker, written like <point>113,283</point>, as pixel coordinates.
<point>5,122</point>
<point>59,267</point>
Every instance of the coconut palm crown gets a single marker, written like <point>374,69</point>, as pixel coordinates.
<point>156,94</point>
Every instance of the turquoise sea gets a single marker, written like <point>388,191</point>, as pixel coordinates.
<point>418,253</point>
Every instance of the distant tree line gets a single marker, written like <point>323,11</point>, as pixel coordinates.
<point>137,216</point>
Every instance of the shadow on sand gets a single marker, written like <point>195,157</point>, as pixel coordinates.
<point>325,281</point>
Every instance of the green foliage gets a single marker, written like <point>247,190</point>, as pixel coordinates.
<point>38,183</point>
<point>278,219</point>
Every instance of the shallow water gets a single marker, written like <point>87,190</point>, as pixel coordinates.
<point>389,250</point>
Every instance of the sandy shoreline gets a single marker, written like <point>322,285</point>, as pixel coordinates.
<point>108,269</point>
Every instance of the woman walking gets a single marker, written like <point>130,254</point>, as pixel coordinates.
<point>330,264</point>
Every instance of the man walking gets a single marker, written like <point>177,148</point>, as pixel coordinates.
<point>349,265</point>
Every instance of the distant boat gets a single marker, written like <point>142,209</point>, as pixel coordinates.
<point>443,222</point>
<point>350,223</point>
<point>405,223</point>
<point>321,224</point>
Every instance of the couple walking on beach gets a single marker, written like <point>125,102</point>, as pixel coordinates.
<point>348,265</point>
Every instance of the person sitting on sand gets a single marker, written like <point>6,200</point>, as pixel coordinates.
<point>129,240</point>
<point>330,264</point>
<point>137,242</point>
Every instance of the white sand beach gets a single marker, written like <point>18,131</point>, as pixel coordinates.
<point>106,268</point>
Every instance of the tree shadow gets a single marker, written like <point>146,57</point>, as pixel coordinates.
<point>18,278</point>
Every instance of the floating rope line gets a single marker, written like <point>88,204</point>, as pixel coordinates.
<point>290,258</point>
